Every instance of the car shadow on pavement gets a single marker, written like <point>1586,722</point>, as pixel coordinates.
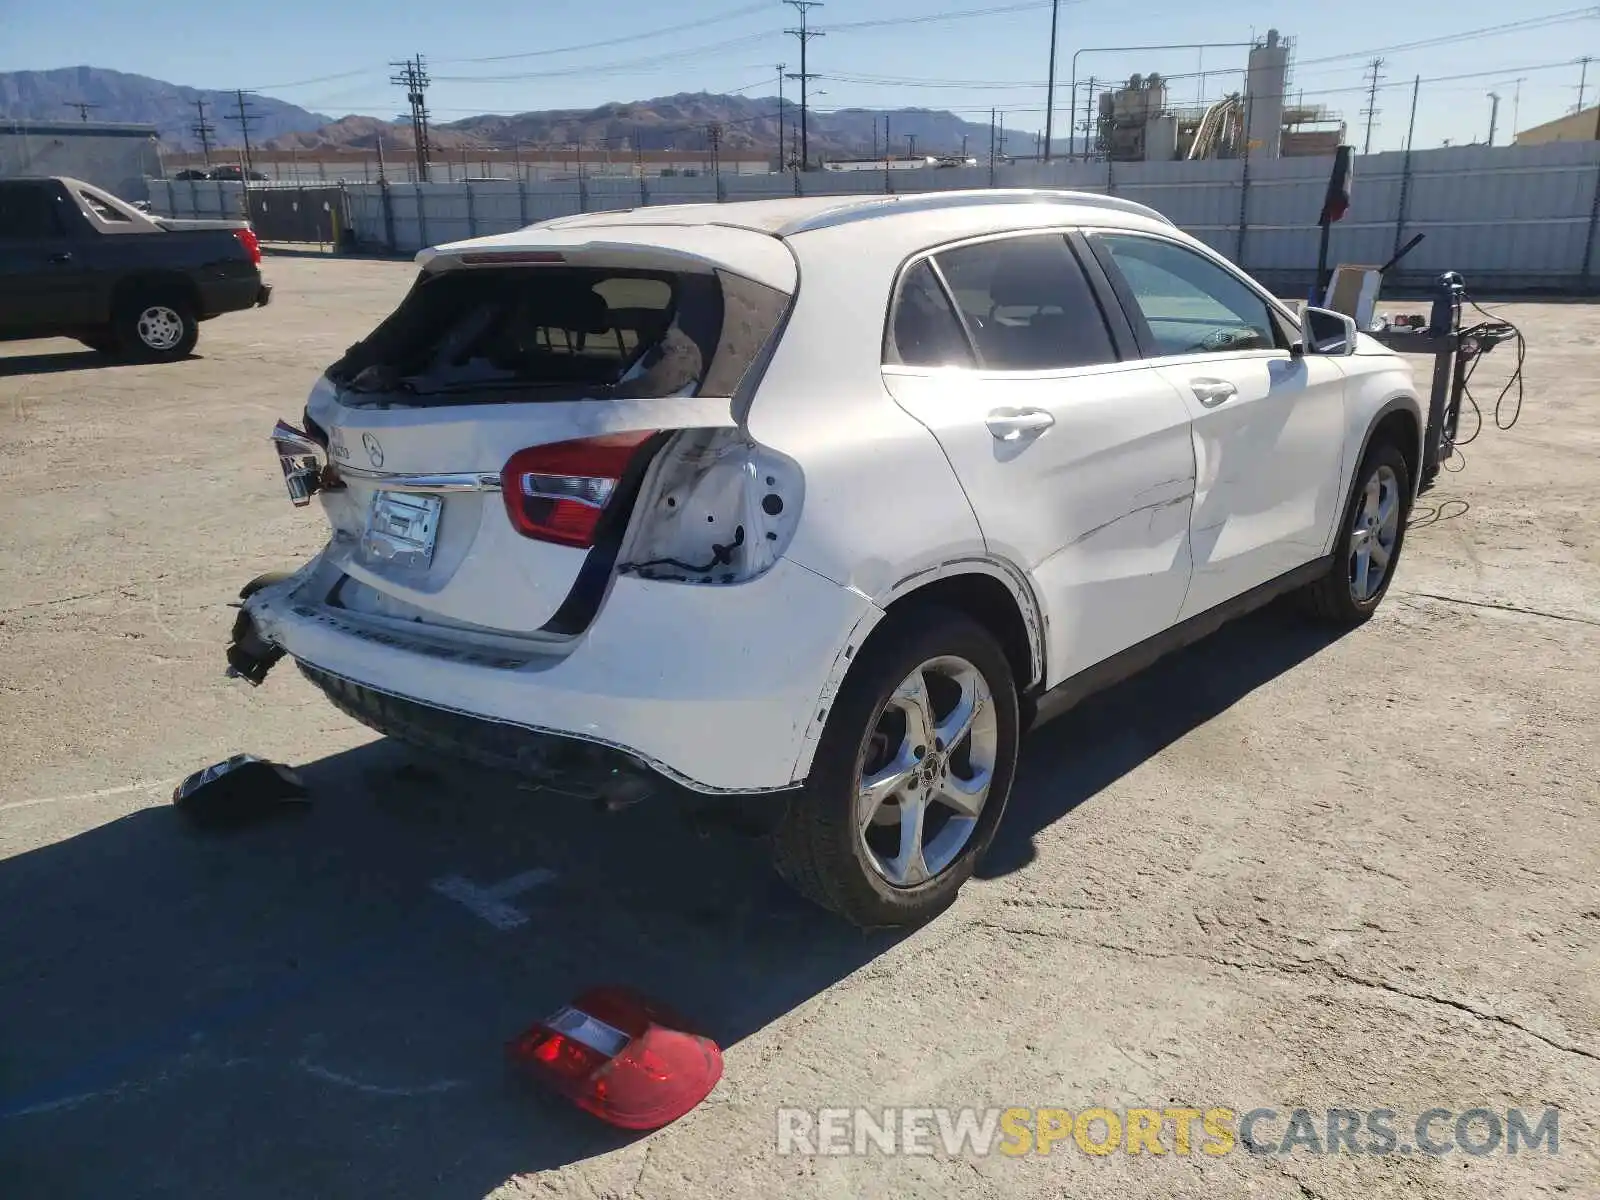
<point>67,360</point>
<point>1073,758</point>
<point>294,1009</point>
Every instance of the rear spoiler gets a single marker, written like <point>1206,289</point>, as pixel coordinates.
<point>699,248</point>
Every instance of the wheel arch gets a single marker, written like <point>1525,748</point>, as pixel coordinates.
<point>992,592</point>
<point>161,282</point>
<point>1396,420</point>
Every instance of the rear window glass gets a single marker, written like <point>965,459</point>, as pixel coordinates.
<point>572,330</point>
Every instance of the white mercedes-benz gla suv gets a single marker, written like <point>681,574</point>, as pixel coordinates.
<point>827,498</point>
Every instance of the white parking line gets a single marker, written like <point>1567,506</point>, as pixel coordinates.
<point>101,794</point>
<point>492,902</point>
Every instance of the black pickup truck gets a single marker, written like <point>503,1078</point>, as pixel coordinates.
<point>78,262</point>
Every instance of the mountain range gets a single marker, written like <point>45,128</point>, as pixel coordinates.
<point>679,122</point>
<point>170,107</point>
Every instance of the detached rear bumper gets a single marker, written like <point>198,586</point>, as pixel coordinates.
<point>717,688</point>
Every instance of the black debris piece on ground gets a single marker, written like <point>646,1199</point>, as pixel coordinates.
<point>239,791</point>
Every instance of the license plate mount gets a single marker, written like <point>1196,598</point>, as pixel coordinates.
<point>401,530</point>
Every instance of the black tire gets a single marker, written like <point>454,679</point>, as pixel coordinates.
<point>1332,598</point>
<point>156,326</point>
<point>816,847</point>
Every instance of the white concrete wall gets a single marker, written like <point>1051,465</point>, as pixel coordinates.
<point>1514,217</point>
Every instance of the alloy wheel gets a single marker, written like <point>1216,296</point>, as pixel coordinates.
<point>1373,534</point>
<point>926,771</point>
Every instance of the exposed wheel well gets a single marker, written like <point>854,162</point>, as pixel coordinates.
<point>988,602</point>
<point>1399,429</point>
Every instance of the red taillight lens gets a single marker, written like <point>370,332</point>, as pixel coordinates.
<point>558,493</point>
<point>621,1057</point>
<point>249,240</point>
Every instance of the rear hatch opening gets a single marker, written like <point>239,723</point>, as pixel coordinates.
<point>492,441</point>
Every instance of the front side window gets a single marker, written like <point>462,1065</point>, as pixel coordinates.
<point>1027,303</point>
<point>1191,305</point>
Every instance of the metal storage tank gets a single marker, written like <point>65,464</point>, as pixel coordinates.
<point>1161,138</point>
<point>1265,85</point>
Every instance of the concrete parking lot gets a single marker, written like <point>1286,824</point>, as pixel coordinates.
<point>1280,870</point>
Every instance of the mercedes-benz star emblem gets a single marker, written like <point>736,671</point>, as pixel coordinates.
<point>374,450</point>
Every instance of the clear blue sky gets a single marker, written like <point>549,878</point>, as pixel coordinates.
<point>291,48</point>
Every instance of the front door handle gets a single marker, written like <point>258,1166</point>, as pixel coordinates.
<point>62,258</point>
<point>1212,392</point>
<point>1014,424</point>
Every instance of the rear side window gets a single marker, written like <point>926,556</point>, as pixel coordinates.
<point>570,331</point>
<point>27,211</point>
<point>1028,304</point>
<point>925,331</point>
<point>1191,305</point>
<point>103,210</point>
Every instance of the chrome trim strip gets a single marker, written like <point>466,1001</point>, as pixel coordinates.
<point>436,484</point>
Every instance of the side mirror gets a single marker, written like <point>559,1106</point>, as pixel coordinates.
<point>1324,331</point>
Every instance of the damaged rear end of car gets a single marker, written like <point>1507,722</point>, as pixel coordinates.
<point>547,517</point>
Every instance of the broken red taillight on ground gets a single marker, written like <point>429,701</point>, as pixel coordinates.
<point>558,492</point>
<point>622,1058</point>
<point>252,244</point>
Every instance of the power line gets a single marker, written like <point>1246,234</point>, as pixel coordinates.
<point>804,33</point>
<point>413,77</point>
<point>1560,18</point>
<point>1370,112</point>
<point>203,130</point>
<point>715,19</point>
<point>242,115</point>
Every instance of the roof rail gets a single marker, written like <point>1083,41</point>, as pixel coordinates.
<point>884,206</point>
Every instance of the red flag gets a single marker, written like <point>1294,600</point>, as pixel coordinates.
<point>1337,202</point>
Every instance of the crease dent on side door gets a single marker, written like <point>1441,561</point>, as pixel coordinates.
<point>1078,466</point>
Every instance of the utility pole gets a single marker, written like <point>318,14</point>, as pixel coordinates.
<point>1411,128</point>
<point>203,130</point>
<point>83,109</point>
<point>1370,112</point>
<point>874,139</point>
<point>911,145</point>
<point>781,67</point>
<point>1050,87</point>
<point>1494,114</point>
<point>1583,80</point>
<point>412,75</point>
<point>805,34</point>
<point>714,137</point>
<point>991,142</point>
<point>1000,140</point>
<point>963,146</point>
<point>242,115</point>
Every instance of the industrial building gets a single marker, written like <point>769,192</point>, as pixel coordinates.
<point>1139,122</point>
<point>116,157</point>
<point>1581,126</point>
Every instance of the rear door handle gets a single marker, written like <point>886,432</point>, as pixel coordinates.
<point>1014,424</point>
<point>64,256</point>
<point>1212,392</point>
